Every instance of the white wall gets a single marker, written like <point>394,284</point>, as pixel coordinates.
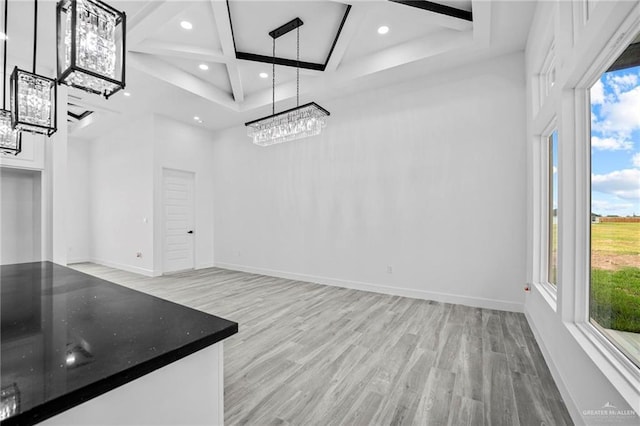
<point>56,184</point>
<point>121,175</point>
<point>20,225</point>
<point>78,212</point>
<point>182,147</point>
<point>115,204</point>
<point>427,177</point>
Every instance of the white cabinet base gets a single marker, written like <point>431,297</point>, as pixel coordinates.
<point>189,391</point>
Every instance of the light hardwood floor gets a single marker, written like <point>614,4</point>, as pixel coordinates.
<point>308,354</point>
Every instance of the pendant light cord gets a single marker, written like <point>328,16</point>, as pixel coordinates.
<point>4,72</point>
<point>273,72</point>
<point>298,66</point>
<point>273,80</point>
<point>35,33</point>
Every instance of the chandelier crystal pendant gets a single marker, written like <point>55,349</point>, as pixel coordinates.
<point>33,97</point>
<point>10,140</point>
<point>91,46</point>
<point>295,123</point>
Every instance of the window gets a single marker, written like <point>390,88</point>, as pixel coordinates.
<point>552,270</point>
<point>614,304</point>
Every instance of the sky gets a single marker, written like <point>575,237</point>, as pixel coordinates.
<point>615,143</point>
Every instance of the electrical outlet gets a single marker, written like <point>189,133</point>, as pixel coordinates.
<point>238,253</point>
<point>389,269</point>
<point>139,254</point>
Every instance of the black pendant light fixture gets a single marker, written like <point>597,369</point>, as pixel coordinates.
<point>33,97</point>
<point>91,46</point>
<point>10,139</point>
<point>295,123</point>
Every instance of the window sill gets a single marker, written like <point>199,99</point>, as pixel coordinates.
<point>549,293</point>
<point>621,372</point>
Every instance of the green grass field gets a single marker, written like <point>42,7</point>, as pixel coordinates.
<point>615,290</point>
<point>616,238</point>
<point>615,298</point>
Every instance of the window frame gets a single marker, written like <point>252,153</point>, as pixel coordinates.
<point>614,350</point>
<point>550,194</point>
<point>575,300</point>
<point>542,220</point>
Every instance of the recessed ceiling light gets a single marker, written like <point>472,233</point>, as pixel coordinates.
<point>383,29</point>
<point>127,94</point>
<point>186,25</point>
<point>264,75</point>
<point>203,67</point>
<point>196,118</point>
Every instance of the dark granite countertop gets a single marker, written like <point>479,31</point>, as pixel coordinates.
<point>68,337</point>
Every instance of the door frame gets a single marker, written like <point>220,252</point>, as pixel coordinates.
<point>163,235</point>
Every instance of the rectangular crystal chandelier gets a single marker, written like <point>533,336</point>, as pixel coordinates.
<point>33,102</point>
<point>91,46</point>
<point>296,123</point>
<point>10,139</point>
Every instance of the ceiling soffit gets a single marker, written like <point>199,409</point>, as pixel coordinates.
<point>339,44</point>
<point>322,24</point>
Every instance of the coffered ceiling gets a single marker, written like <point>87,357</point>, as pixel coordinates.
<point>339,46</point>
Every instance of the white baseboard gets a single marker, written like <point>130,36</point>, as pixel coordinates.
<point>478,302</point>
<point>124,267</point>
<point>571,405</point>
<point>157,273</point>
<point>78,260</point>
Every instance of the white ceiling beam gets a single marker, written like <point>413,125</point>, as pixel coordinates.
<point>223,26</point>
<point>161,70</point>
<point>358,12</point>
<point>176,50</point>
<point>236,82</point>
<point>149,18</point>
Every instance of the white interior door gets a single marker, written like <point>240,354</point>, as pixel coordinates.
<point>179,231</point>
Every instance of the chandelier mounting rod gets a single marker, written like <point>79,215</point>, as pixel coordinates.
<point>283,29</point>
<point>35,32</point>
<point>294,24</point>
<point>4,72</point>
<point>298,66</point>
<point>273,79</point>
